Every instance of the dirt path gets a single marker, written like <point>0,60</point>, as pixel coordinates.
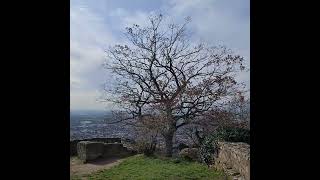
<point>79,169</point>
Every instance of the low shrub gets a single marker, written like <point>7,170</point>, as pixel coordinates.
<point>208,149</point>
<point>177,160</point>
<point>233,135</point>
<point>146,147</point>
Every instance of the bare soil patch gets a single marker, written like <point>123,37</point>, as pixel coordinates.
<point>77,168</point>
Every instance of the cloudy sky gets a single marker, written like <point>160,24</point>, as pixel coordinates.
<point>97,24</point>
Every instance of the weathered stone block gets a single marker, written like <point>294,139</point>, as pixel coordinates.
<point>73,143</point>
<point>73,147</point>
<point>114,149</point>
<point>235,156</point>
<point>87,150</point>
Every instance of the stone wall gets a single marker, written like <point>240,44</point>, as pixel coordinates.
<point>115,149</point>
<point>88,150</point>
<point>73,144</point>
<point>234,159</point>
<point>91,150</point>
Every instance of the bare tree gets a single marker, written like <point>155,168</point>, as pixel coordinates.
<point>239,106</point>
<point>160,73</point>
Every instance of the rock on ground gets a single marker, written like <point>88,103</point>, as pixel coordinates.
<point>190,153</point>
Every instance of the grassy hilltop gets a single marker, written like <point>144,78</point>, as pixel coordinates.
<point>142,167</point>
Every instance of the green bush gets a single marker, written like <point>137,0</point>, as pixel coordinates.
<point>233,135</point>
<point>209,146</point>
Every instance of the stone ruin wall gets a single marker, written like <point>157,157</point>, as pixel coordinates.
<point>234,159</point>
<point>73,143</point>
<point>88,150</point>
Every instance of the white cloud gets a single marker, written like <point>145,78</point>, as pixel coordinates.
<point>128,18</point>
<point>120,12</point>
<point>86,100</point>
<point>181,6</point>
<point>219,23</point>
<point>89,37</point>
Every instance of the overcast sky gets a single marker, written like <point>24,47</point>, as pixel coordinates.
<point>97,24</point>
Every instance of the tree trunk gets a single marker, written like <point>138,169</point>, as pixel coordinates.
<point>169,144</point>
<point>170,132</point>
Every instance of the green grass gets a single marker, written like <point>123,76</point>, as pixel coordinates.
<point>141,167</point>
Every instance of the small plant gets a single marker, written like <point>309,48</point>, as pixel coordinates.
<point>146,142</point>
<point>146,147</point>
<point>177,160</point>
